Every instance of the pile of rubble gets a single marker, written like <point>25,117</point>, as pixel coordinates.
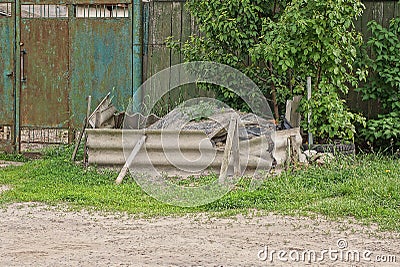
<point>282,146</point>
<point>322,154</point>
<point>216,126</point>
<point>257,136</point>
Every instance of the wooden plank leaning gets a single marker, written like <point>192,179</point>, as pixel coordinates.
<point>130,159</point>
<point>85,124</point>
<point>231,150</point>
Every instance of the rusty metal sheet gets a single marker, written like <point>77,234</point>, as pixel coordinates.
<point>101,59</point>
<point>44,91</point>
<point>7,74</point>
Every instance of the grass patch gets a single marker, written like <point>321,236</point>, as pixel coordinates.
<point>364,187</point>
<point>13,157</point>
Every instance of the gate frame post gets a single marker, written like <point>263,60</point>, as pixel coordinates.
<point>17,77</point>
<point>71,129</point>
<point>137,53</point>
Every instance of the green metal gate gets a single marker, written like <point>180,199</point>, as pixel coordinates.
<point>7,74</point>
<point>101,54</point>
<point>44,67</point>
<point>54,53</point>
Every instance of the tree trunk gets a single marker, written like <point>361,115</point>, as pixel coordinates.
<point>273,93</point>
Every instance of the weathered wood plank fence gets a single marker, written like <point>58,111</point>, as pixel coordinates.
<point>164,18</point>
<point>381,11</point>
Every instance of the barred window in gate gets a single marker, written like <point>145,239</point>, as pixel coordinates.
<point>5,10</point>
<point>44,11</point>
<point>102,11</point>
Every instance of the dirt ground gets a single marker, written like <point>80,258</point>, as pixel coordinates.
<point>33,234</point>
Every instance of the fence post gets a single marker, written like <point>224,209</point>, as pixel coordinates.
<point>310,135</point>
<point>17,81</point>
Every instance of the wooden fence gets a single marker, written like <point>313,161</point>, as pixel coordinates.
<point>164,18</point>
<point>382,12</point>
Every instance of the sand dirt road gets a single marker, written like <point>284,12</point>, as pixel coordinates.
<point>33,234</point>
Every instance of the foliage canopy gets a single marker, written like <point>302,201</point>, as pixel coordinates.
<point>278,44</point>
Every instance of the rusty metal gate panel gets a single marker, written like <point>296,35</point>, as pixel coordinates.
<point>7,37</point>
<point>54,53</point>
<point>101,54</point>
<point>44,67</point>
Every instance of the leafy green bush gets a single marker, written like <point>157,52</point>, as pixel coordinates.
<point>315,38</point>
<point>384,83</point>
<point>278,44</point>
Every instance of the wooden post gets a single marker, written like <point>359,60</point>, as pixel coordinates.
<point>129,160</point>
<point>235,151</point>
<point>288,153</point>
<point>291,111</point>
<point>97,121</point>
<point>85,123</point>
<point>310,137</point>
<point>232,141</point>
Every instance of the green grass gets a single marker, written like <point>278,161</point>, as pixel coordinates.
<point>366,188</point>
<point>13,157</point>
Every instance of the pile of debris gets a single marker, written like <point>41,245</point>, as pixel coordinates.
<point>256,136</point>
<point>239,139</point>
<point>187,117</point>
<point>215,126</point>
<point>324,153</point>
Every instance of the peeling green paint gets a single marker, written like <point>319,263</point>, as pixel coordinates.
<point>7,74</point>
<point>101,59</point>
<point>7,70</point>
<point>137,53</point>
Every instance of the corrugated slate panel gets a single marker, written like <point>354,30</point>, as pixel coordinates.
<point>175,151</point>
